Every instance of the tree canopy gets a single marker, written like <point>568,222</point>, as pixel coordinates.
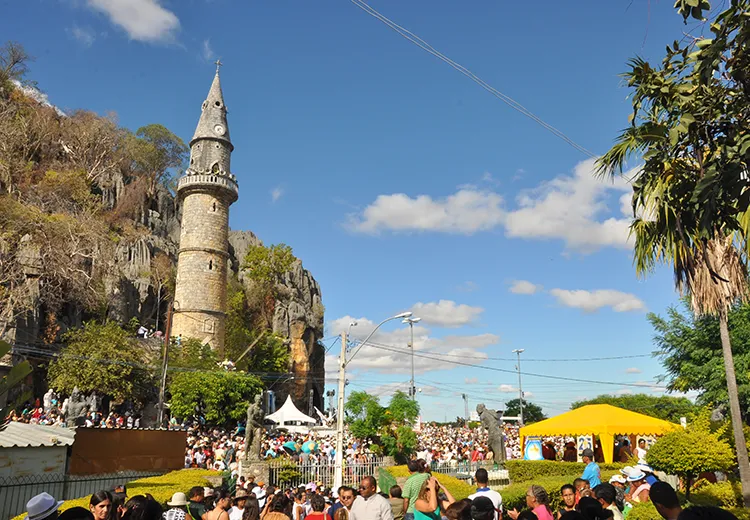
<point>390,426</point>
<point>691,451</point>
<point>690,351</point>
<point>219,397</point>
<point>663,407</point>
<point>102,358</point>
<point>531,412</point>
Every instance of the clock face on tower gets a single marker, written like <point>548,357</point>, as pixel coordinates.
<point>219,130</point>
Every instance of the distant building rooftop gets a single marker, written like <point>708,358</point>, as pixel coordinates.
<point>23,435</point>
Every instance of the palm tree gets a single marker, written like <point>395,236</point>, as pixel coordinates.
<point>711,270</point>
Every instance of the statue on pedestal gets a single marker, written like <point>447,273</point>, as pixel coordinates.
<point>78,407</point>
<point>254,429</point>
<point>495,437</point>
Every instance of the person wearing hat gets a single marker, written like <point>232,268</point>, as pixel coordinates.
<point>482,508</point>
<point>482,479</point>
<point>178,507</point>
<point>592,473</point>
<point>650,477</point>
<point>619,483</point>
<point>43,507</point>
<point>238,509</point>
<point>639,488</point>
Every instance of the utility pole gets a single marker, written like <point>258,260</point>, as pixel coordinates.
<point>520,390</point>
<point>164,363</point>
<point>412,388</point>
<point>339,460</point>
<point>466,406</point>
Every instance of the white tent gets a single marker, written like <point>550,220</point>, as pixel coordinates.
<point>289,414</point>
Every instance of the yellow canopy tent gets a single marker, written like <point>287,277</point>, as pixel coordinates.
<point>603,420</point>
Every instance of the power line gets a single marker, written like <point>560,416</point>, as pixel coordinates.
<point>495,369</point>
<point>419,42</point>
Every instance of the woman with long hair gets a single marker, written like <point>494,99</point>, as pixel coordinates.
<point>430,504</point>
<point>278,507</point>
<point>100,505</point>
<point>141,507</point>
<point>222,503</point>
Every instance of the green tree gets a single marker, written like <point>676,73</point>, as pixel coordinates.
<point>220,397</point>
<point>690,202</point>
<point>265,267</point>
<point>102,358</point>
<point>364,415</point>
<point>691,451</point>
<point>402,409</point>
<point>689,347</point>
<point>158,154</point>
<point>531,412</point>
<point>192,354</point>
<point>663,407</point>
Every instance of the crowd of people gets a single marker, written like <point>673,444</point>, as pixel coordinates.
<point>422,497</point>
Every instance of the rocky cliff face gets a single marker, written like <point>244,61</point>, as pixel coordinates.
<point>131,294</point>
<point>298,316</point>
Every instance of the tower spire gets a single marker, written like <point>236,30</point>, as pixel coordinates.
<point>213,120</point>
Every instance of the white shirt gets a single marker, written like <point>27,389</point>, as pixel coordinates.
<point>616,512</point>
<point>373,508</point>
<point>641,453</point>
<point>236,513</point>
<point>493,495</point>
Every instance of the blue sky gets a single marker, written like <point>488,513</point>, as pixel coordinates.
<point>400,183</point>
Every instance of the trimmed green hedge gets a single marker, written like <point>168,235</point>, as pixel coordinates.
<point>526,470</point>
<point>721,494</point>
<point>458,488</point>
<point>385,480</point>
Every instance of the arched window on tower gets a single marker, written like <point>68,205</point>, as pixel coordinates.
<point>210,265</point>
<point>215,168</point>
<point>214,207</point>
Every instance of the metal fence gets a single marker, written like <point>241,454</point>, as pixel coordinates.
<point>289,473</point>
<point>465,471</point>
<point>16,491</point>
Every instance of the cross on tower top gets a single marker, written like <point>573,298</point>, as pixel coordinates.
<point>218,64</point>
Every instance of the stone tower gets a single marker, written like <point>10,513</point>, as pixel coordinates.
<point>204,194</point>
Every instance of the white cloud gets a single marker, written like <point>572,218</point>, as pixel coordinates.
<point>524,287</point>
<point>83,35</point>
<point>526,395</point>
<point>387,350</point>
<point>446,313</point>
<point>506,389</point>
<point>633,370</point>
<point>207,53</point>
<point>467,211</point>
<point>591,301</point>
<point>468,287</point>
<point>572,208</point>
<point>142,20</point>
<point>471,381</point>
<point>624,391</point>
<point>276,193</point>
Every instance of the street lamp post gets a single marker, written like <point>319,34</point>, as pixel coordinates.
<point>412,389</point>
<point>520,390</point>
<point>165,363</point>
<point>343,362</point>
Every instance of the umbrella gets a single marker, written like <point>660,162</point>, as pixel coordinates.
<point>290,447</point>
<point>310,446</point>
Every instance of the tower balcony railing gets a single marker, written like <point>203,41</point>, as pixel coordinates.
<point>205,179</point>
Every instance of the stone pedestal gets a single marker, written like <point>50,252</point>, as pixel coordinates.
<point>256,468</point>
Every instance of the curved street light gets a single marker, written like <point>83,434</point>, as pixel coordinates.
<point>343,362</point>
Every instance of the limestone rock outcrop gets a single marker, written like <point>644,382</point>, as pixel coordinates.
<point>298,316</point>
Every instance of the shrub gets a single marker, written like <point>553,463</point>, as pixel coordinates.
<point>643,511</point>
<point>721,494</point>
<point>161,487</point>
<point>529,470</point>
<point>514,496</point>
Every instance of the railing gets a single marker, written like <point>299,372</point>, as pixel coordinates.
<point>16,491</point>
<point>288,473</point>
<point>465,471</point>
